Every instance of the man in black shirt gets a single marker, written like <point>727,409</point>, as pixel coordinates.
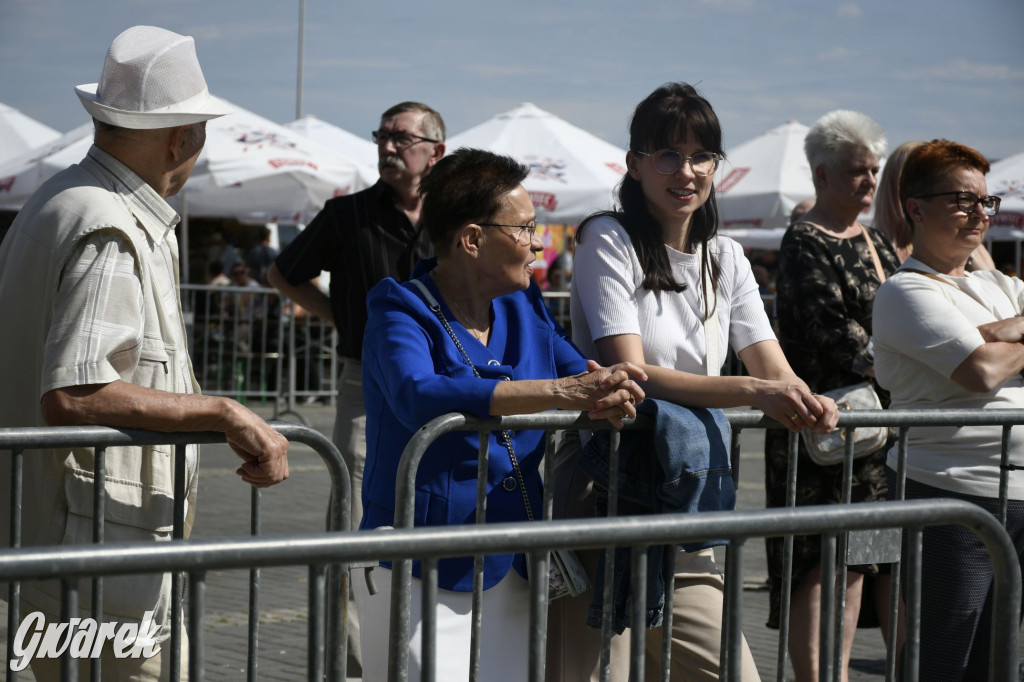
<point>361,239</point>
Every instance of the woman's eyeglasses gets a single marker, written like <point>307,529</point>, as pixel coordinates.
<point>966,201</point>
<point>521,230</point>
<point>669,161</point>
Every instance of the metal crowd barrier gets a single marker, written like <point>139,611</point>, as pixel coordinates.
<point>247,343</point>
<point>771,522</point>
<point>21,442</point>
<point>536,538</point>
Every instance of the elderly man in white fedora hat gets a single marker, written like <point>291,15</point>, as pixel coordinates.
<point>89,275</point>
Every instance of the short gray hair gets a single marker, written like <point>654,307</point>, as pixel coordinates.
<point>832,137</point>
<point>433,124</point>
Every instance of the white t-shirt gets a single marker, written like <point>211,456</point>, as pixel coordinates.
<point>607,300</point>
<point>923,331</point>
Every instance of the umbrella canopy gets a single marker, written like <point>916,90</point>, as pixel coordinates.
<point>1006,180</point>
<point>764,178</point>
<point>251,169</point>
<point>20,134</point>
<point>572,173</point>
<point>21,175</point>
<point>337,139</point>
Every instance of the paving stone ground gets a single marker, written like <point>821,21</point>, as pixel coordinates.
<point>297,506</point>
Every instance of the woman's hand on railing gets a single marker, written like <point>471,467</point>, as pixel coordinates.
<point>605,392</point>
<point>791,403</point>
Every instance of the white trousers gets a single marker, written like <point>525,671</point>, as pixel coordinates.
<point>504,651</point>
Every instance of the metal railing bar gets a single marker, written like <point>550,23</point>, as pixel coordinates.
<point>826,635</point>
<point>14,589</point>
<point>732,654</point>
<point>668,572</point>
<point>428,641</point>
<point>477,618</point>
<point>539,563</point>
<point>638,611</point>
<point>317,621</point>
<point>912,647</point>
<point>252,655</point>
<point>787,564</point>
<point>196,610</point>
<point>99,513</point>
<point>68,610</point>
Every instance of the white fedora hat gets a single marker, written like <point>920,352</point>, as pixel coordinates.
<point>151,79</point>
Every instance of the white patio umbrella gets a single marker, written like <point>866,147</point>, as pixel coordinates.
<point>764,178</point>
<point>572,173</point>
<point>251,169</point>
<point>1006,180</point>
<point>20,133</point>
<point>255,170</point>
<point>337,139</point>
<point>21,175</point>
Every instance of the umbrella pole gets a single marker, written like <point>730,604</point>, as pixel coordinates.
<point>302,31</point>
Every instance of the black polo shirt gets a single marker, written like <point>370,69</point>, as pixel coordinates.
<point>360,239</point>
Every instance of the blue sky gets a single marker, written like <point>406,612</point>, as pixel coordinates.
<point>922,68</point>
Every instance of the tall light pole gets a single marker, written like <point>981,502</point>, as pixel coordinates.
<point>302,32</point>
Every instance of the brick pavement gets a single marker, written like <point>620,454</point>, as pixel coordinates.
<point>297,506</point>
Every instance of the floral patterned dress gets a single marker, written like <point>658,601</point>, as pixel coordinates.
<point>826,287</point>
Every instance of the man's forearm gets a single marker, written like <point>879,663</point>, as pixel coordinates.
<point>120,404</point>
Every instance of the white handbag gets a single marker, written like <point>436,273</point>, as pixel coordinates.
<point>830,448</point>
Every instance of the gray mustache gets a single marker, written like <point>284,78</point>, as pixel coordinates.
<point>391,161</point>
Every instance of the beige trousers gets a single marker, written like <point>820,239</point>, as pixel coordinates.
<point>350,438</point>
<point>574,648</point>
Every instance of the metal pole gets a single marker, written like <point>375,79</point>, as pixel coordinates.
<point>302,34</point>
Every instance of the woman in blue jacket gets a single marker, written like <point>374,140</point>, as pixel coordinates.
<point>489,348</point>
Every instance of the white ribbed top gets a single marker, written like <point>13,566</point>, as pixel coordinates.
<point>607,300</point>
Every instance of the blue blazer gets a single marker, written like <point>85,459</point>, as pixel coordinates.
<point>412,373</point>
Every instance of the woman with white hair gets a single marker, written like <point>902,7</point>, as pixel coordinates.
<point>829,269</point>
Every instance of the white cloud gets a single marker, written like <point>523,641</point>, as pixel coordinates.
<point>849,10</point>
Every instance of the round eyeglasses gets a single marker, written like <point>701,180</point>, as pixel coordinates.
<point>669,161</point>
<point>521,230</point>
<point>966,201</point>
<point>400,138</point>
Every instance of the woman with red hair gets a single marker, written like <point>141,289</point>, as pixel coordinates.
<point>949,338</point>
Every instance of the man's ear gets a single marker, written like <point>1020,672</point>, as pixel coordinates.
<point>438,154</point>
<point>178,136</point>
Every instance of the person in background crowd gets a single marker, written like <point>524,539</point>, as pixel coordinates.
<point>560,270</point>
<point>946,337</point>
<point>655,286</point>
<point>829,268</point>
<point>240,276</point>
<point>215,276</point>
<point>891,220</point>
<point>89,272</point>
<point>470,334</point>
<point>361,239</point>
<point>800,209</point>
<point>261,257</point>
